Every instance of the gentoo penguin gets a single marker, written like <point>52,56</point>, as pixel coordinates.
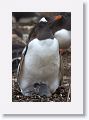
<point>38,71</point>
<point>61,29</point>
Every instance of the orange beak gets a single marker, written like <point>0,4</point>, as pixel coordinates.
<point>58,17</point>
<point>55,19</point>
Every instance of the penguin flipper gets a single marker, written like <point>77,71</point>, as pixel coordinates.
<point>20,66</point>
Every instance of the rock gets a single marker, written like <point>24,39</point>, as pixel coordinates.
<point>17,46</point>
<point>29,21</point>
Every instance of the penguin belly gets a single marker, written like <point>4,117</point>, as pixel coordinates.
<point>41,65</point>
<point>64,38</point>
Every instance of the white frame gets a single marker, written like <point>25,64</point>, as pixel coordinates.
<point>76,104</point>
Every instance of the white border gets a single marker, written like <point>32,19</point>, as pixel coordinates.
<point>76,104</point>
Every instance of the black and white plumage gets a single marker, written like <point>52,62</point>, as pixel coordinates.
<point>38,70</point>
<point>61,29</point>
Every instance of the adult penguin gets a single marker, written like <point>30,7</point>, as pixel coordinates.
<point>61,29</point>
<point>38,71</point>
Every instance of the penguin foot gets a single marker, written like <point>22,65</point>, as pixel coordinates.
<point>28,91</point>
<point>38,89</point>
<point>44,90</point>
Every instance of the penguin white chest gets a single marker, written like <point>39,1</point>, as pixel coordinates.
<point>41,65</point>
<point>64,38</point>
<point>41,60</point>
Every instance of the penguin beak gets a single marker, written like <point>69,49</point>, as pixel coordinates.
<point>54,20</point>
<point>57,18</point>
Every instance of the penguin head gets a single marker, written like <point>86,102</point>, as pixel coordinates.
<point>53,19</point>
<point>42,30</point>
<point>41,26</point>
<point>59,22</point>
<point>56,20</point>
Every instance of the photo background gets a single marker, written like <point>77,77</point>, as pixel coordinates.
<point>77,52</point>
